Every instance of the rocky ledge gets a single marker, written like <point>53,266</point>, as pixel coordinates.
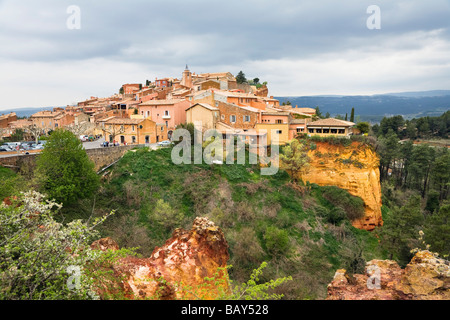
<point>190,265</point>
<point>426,277</point>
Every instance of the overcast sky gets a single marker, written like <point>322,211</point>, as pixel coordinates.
<point>300,47</point>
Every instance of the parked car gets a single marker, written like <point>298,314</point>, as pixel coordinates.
<point>84,138</point>
<point>4,149</point>
<point>165,143</point>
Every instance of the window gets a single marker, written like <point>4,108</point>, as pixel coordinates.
<point>166,113</point>
<point>318,130</point>
<point>279,121</point>
<point>122,127</point>
<point>334,131</point>
<point>233,118</point>
<point>341,131</point>
<point>217,103</point>
<point>246,118</point>
<point>311,130</point>
<point>133,139</point>
<point>279,131</point>
<point>299,130</point>
<point>132,128</point>
<point>222,117</point>
<point>326,130</point>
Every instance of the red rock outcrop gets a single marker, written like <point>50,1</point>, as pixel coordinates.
<point>177,270</point>
<point>426,277</point>
<point>354,168</point>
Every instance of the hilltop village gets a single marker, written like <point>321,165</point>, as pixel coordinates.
<point>149,113</point>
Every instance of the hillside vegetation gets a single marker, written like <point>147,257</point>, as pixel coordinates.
<point>300,231</point>
<point>303,232</point>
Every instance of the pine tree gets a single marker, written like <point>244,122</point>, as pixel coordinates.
<point>240,78</point>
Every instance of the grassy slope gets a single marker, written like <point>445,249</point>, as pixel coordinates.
<point>264,218</point>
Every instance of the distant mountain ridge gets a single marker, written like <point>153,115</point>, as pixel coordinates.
<point>25,112</point>
<point>369,108</point>
<point>373,108</point>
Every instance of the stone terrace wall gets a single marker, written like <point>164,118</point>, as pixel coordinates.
<point>101,158</point>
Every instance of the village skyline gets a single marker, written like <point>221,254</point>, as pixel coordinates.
<point>301,48</point>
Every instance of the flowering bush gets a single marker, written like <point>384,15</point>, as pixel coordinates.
<point>38,256</point>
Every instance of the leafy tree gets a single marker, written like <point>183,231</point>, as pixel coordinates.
<point>18,135</point>
<point>147,83</point>
<point>432,201</point>
<point>256,80</point>
<point>121,91</point>
<point>437,231</point>
<point>410,131</point>
<point>346,115</point>
<point>240,78</point>
<point>38,255</point>
<point>420,169</point>
<point>389,152</point>
<point>395,123</point>
<point>294,157</point>
<point>64,170</point>
<point>352,115</point>
<point>441,173</point>
<point>318,113</point>
<point>364,127</point>
<point>399,232</point>
<point>327,115</point>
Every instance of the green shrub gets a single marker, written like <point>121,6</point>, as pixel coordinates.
<point>276,241</point>
<point>353,206</point>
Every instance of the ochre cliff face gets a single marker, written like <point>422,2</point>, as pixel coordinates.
<point>355,169</point>
<point>426,277</point>
<point>178,269</point>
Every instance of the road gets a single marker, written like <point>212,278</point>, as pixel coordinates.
<point>99,144</point>
<point>87,145</point>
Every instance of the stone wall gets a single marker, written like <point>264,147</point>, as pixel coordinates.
<point>101,157</point>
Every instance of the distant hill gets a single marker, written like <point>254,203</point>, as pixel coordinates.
<point>25,112</point>
<point>374,108</point>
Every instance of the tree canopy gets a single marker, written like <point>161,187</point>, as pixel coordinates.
<point>64,171</point>
<point>240,78</point>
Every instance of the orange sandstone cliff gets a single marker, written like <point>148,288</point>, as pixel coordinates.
<point>354,168</point>
<point>178,269</point>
